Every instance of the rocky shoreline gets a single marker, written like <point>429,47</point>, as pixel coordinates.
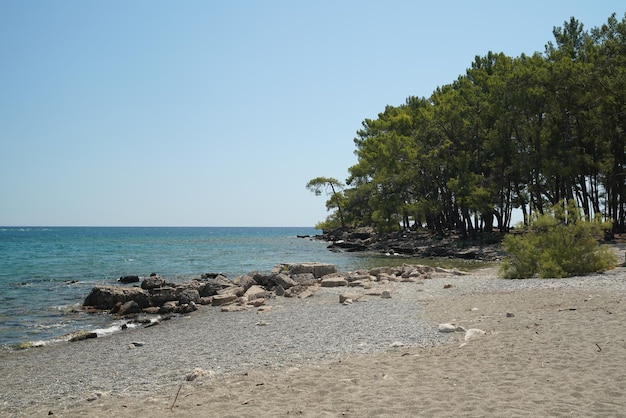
<point>144,369</point>
<point>336,314</point>
<point>483,247</point>
<point>155,299</point>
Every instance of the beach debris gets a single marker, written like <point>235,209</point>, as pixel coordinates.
<point>473,333</point>
<point>448,286</point>
<point>396,344</point>
<point>136,344</point>
<point>81,335</point>
<point>176,397</point>
<point>455,272</point>
<point>510,314</point>
<point>198,373</point>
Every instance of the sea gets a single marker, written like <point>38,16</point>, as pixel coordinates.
<point>46,272</point>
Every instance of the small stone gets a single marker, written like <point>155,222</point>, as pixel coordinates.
<point>352,297</point>
<point>510,314</point>
<point>385,294</point>
<point>447,328</point>
<point>233,308</point>
<point>197,373</point>
<point>396,344</point>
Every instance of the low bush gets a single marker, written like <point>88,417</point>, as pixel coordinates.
<point>559,243</point>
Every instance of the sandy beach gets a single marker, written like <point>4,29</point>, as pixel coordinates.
<point>550,348</point>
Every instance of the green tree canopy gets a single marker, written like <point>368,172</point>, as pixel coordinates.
<point>511,133</point>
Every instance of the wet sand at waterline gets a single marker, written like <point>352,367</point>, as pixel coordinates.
<point>551,347</point>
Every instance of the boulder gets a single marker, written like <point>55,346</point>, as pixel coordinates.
<point>284,281</point>
<point>188,295</point>
<point>152,282</point>
<point>232,290</point>
<point>246,281</point>
<point>128,308</point>
<point>317,269</point>
<point>257,302</point>
<point>220,300</point>
<point>160,295</point>
<point>304,279</point>
<point>106,297</point>
<point>264,279</point>
<point>333,281</point>
<point>255,292</point>
<point>186,308</point>
<point>279,291</point>
<point>212,286</point>
<point>168,307</point>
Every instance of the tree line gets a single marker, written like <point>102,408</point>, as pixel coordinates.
<point>511,133</point>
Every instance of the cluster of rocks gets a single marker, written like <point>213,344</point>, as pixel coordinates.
<point>156,296</point>
<point>485,246</point>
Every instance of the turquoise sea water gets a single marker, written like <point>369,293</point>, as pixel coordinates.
<point>45,273</point>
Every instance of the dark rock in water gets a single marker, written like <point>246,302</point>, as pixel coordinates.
<point>210,276</point>
<point>128,279</point>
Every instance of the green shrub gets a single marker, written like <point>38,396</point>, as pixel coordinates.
<point>560,243</point>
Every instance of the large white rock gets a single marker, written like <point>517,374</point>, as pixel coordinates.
<point>255,292</point>
<point>473,333</point>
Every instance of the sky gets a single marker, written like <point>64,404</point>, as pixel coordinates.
<point>217,113</point>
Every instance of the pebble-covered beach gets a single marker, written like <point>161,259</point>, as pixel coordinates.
<point>141,363</point>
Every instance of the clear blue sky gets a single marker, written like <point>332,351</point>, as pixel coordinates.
<point>217,113</point>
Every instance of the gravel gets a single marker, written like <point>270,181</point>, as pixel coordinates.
<point>292,333</point>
